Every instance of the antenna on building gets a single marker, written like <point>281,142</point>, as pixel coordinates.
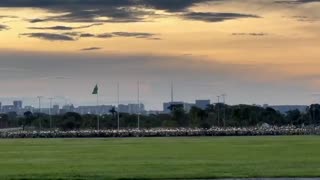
<point>39,100</point>
<point>224,98</point>
<point>224,109</point>
<point>172,91</point>
<point>50,112</point>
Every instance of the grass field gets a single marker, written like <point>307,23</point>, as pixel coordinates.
<point>149,158</point>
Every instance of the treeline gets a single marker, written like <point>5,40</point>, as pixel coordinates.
<point>218,115</point>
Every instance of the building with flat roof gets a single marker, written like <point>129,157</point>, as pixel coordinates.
<point>202,104</point>
<point>17,104</point>
<point>186,106</point>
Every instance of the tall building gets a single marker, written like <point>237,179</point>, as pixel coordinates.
<point>186,106</point>
<point>55,110</point>
<point>102,109</point>
<point>17,105</point>
<point>67,108</point>
<point>123,108</point>
<point>136,108</point>
<point>8,108</point>
<point>285,108</point>
<point>202,104</point>
<point>29,108</point>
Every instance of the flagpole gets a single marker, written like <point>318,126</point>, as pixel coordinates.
<point>138,104</point>
<point>96,92</point>
<point>118,114</point>
<point>98,113</point>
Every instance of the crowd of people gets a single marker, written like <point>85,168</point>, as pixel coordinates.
<point>165,132</point>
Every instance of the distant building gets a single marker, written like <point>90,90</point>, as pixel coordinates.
<point>153,112</point>
<point>167,105</point>
<point>123,108</point>
<point>29,108</point>
<point>17,104</point>
<point>8,108</point>
<point>186,106</point>
<point>285,108</point>
<point>103,109</point>
<point>67,108</point>
<point>136,108</point>
<point>55,110</point>
<point>265,105</point>
<point>202,104</point>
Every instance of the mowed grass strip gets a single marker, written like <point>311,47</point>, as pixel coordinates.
<point>160,158</point>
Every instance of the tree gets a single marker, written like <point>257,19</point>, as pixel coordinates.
<point>179,115</point>
<point>314,113</point>
<point>4,120</point>
<point>199,117</point>
<point>71,121</point>
<point>27,119</point>
<point>113,112</point>
<point>294,117</point>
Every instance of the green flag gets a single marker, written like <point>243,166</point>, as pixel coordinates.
<point>95,90</point>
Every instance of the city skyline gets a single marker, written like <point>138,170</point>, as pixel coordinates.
<point>255,51</point>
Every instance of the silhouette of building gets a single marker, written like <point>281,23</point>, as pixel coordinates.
<point>103,109</point>
<point>55,110</point>
<point>202,104</point>
<point>8,108</point>
<point>186,106</point>
<point>17,104</point>
<point>123,108</point>
<point>136,108</point>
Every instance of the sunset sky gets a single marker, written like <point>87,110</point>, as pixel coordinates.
<point>255,51</point>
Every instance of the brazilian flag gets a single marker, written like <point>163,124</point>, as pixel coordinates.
<point>95,90</point>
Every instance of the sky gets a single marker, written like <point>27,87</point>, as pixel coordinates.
<point>255,51</point>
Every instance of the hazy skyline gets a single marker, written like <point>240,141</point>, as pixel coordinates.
<point>256,51</point>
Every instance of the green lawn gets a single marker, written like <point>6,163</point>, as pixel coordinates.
<point>149,158</point>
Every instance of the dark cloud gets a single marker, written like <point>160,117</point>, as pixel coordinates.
<point>249,34</point>
<point>296,1</point>
<point>72,36</point>
<point>36,20</point>
<point>215,17</point>
<point>107,14</point>
<point>87,10</point>
<point>104,10</point>
<point>169,5</point>
<point>3,27</point>
<point>104,35</point>
<point>64,28</point>
<point>76,34</point>
<point>304,19</point>
<point>49,36</point>
<point>142,35</point>
<point>134,34</point>
<point>307,1</point>
<point>172,5</point>
<point>86,35</point>
<point>91,49</point>
<point>11,17</point>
